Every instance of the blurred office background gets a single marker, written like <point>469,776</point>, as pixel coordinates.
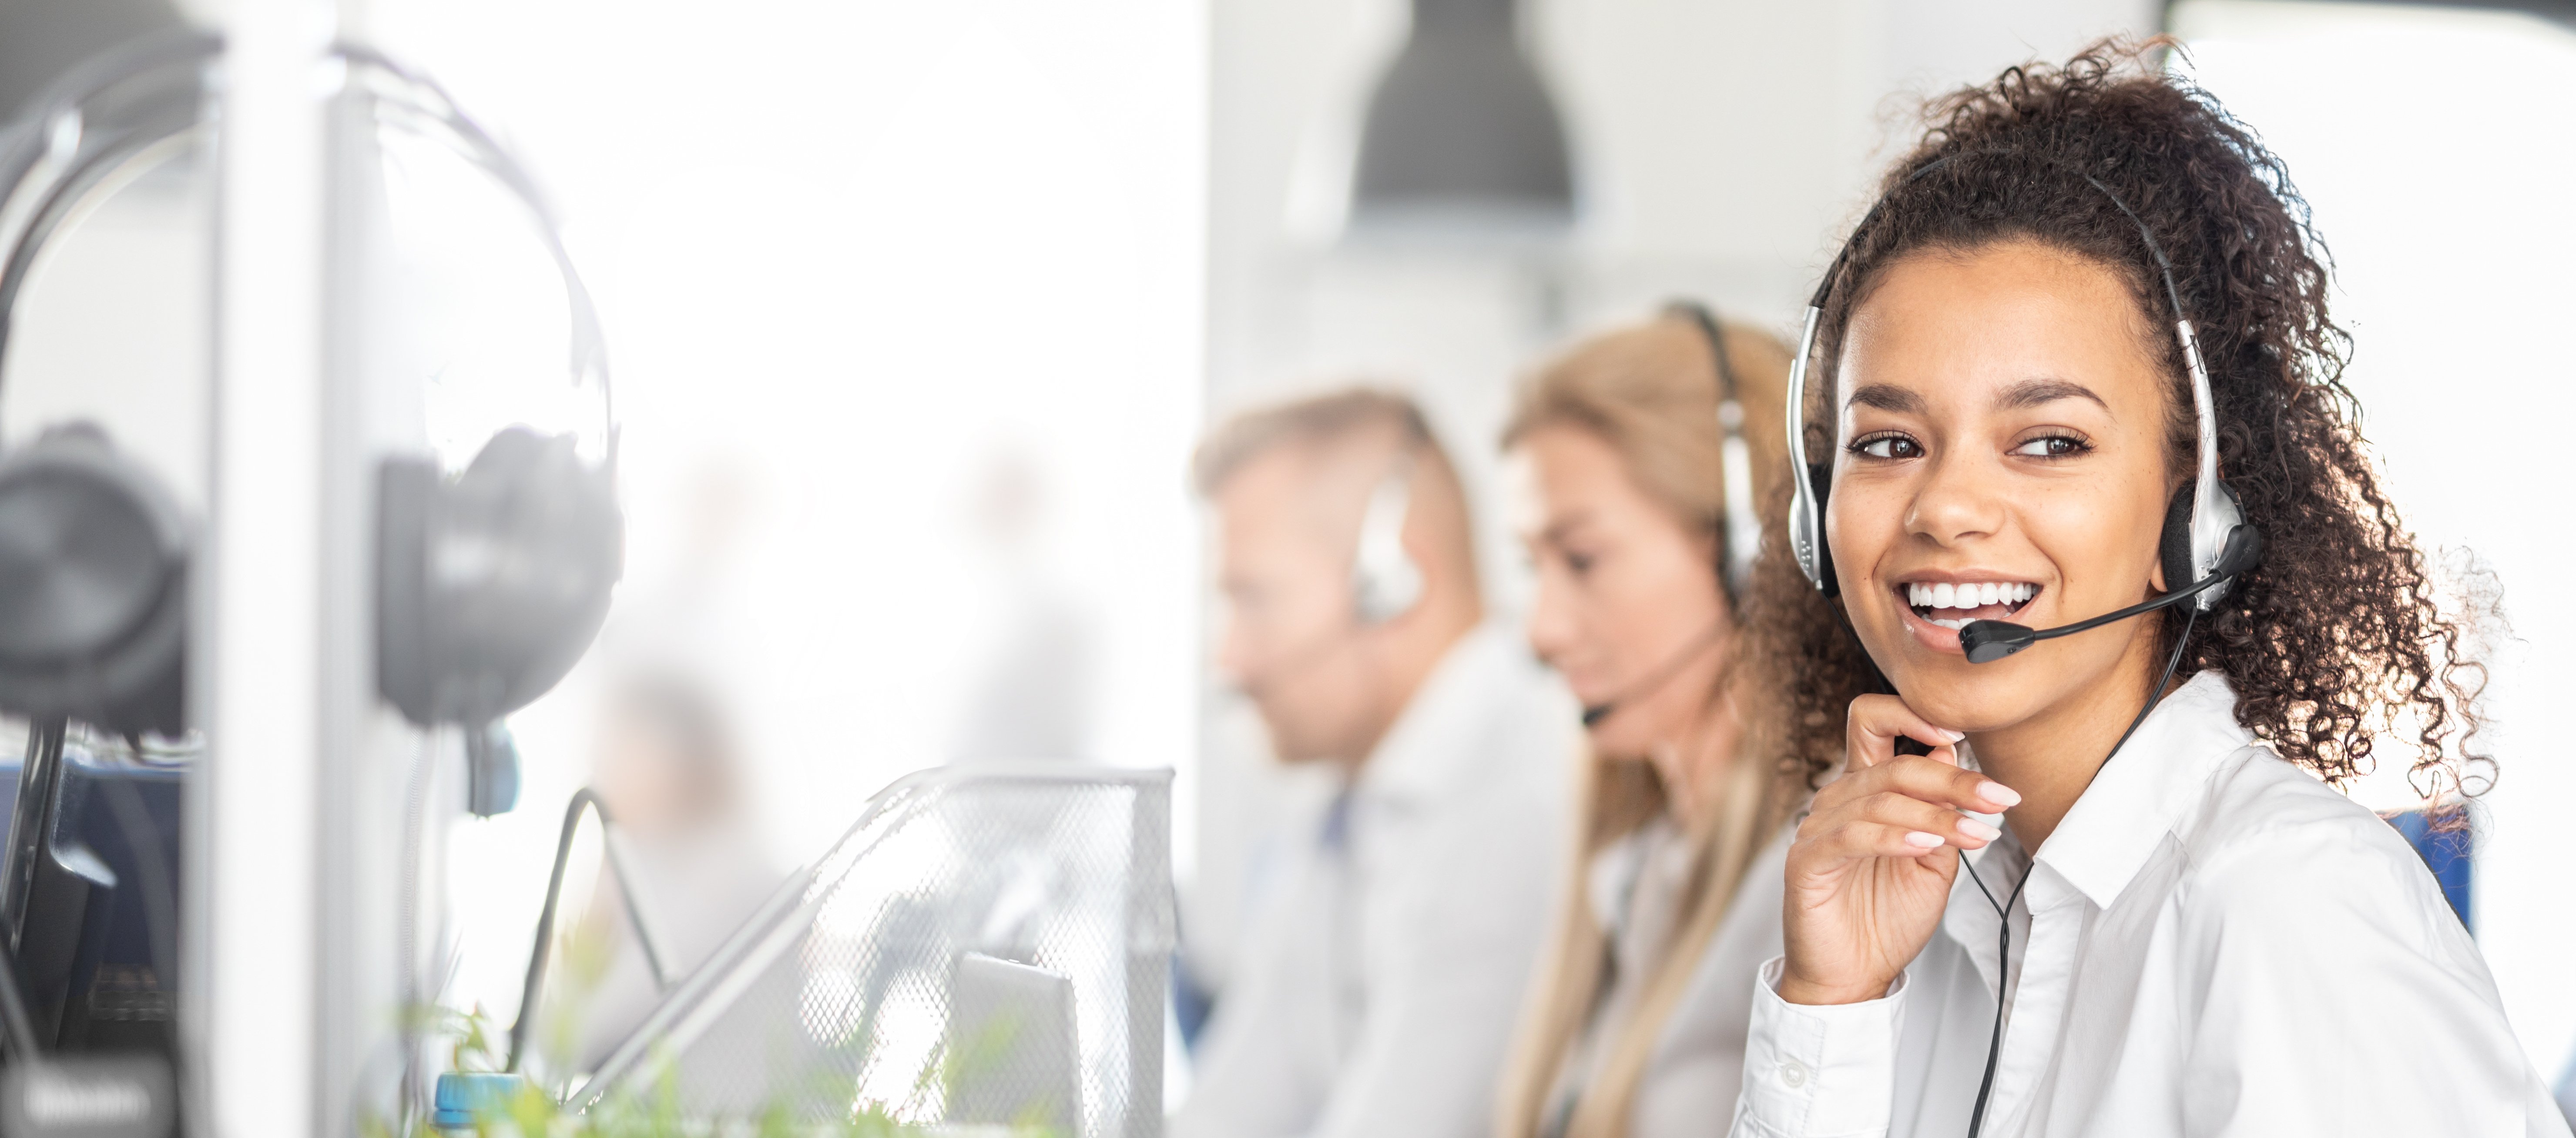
<point>917,309</point>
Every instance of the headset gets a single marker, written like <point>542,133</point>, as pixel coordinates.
<point>1385,581</point>
<point>93,586</point>
<point>2205,541</point>
<point>1739,533</point>
<point>94,549</point>
<point>490,584</point>
<point>2204,546</point>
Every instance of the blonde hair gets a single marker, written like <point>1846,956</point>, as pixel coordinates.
<point>1651,392</point>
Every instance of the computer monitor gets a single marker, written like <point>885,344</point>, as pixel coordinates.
<point>91,903</point>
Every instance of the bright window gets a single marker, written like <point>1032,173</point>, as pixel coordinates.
<point>903,303</point>
<point>2438,147</point>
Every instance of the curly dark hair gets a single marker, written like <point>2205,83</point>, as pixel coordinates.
<point>2337,638</point>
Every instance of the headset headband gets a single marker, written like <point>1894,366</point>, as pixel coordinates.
<point>65,153</point>
<point>2214,512</point>
<point>1739,532</point>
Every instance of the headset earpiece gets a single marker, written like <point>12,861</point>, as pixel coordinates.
<point>490,586</point>
<point>93,587</point>
<point>1385,582</point>
<point>2173,550</point>
<point>1820,478</point>
<point>2186,560</point>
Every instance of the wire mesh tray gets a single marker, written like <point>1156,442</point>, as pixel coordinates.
<point>985,951</point>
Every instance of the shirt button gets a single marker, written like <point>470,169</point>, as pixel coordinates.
<point>1793,1074</point>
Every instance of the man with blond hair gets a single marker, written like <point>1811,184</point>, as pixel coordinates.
<point>1381,974</point>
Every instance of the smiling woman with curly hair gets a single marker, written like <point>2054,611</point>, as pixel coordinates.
<point>2179,927</point>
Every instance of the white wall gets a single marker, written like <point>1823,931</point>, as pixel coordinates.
<point>1721,145</point>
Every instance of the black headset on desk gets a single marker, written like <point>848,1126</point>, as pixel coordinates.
<point>94,549</point>
<point>2205,544</point>
<point>489,585</point>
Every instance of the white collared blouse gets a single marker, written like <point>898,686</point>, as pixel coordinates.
<point>2211,943</point>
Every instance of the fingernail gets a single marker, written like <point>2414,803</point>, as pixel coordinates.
<point>1955,736</point>
<point>1999,794</point>
<point>1922,840</point>
<point>1979,830</point>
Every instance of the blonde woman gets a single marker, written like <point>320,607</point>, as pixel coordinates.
<point>1636,1025</point>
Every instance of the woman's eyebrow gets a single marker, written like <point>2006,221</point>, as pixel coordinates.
<point>2033,392</point>
<point>1886,397</point>
<point>1571,523</point>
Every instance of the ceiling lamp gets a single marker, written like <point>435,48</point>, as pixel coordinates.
<point>1461,137</point>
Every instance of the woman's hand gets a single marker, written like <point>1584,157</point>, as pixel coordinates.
<point>1870,871</point>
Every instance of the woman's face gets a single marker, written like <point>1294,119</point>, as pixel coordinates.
<point>2002,456</point>
<point>1628,603</point>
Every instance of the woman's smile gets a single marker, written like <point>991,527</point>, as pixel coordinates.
<point>1935,606</point>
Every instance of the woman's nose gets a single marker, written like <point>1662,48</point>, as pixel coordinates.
<point>1552,624</point>
<point>1957,500</point>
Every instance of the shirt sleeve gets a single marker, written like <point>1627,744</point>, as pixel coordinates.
<point>1818,1070</point>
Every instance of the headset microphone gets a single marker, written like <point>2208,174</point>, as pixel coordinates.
<point>1739,531</point>
<point>1986,641</point>
<point>1655,680</point>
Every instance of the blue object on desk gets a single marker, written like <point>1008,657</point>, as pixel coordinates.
<point>464,1098</point>
<point>2445,851</point>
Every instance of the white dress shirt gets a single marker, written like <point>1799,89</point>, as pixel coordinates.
<point>1637,888</point>
<point>1381,982</point>
<point>2217,944</point>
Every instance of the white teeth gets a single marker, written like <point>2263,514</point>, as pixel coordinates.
<point>1975,594</point>
<point>1951,624</point>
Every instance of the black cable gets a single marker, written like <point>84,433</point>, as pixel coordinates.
<point>2003,912</point>
<point>527,1018</point>
<point>13,1008</point>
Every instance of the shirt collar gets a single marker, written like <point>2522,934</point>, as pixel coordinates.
<point>2139,796</point>
<point>1432,744</point>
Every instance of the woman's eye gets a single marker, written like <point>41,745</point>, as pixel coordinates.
<point>1887,446</point>
<point>1578,564</point>
<point>2052,446</point>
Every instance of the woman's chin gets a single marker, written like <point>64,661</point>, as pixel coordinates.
<point>1618,742</point>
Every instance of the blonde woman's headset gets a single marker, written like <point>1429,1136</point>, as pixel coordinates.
<point>1739,532</point>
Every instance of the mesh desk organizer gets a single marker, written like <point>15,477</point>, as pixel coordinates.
<point>984,952</point>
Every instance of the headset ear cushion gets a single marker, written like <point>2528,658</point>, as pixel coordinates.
<point>94,557</point>
<point>406,493</point>
<point>490,587</point>
<point>1820,477</point>
<point>2174,549</point>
